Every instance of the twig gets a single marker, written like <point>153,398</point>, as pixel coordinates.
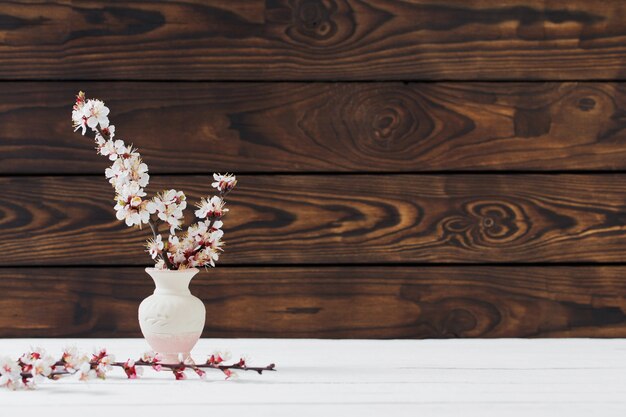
<point>237,366</point>
<point>179,366</point>
<point>163,254</point>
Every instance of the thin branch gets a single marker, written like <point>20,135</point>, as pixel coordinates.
<point>163,254</point>
<point>173,367</point>
<point>236,366</point>
<point>106,137</point>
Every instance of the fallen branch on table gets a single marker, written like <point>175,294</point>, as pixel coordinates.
<point>37,365</point>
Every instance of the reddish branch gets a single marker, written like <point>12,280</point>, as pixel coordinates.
<point>174,367</point>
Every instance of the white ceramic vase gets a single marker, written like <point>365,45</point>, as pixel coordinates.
<point>172,319</point>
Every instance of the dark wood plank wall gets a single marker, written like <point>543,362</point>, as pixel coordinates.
<point>314,39</point>
<point>346,219</point>
<point>408,169</point>
<point>325,127</point>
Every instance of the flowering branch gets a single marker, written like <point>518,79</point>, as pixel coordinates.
<point>201,244</point>
<point>36,365</point>
<point>161,256</point>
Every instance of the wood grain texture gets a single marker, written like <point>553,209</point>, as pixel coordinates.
<point>282,219</point>
<point>354,302</point>
<point>298,127</point>
<point>313,39</point>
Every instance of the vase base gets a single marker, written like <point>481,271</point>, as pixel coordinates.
<point>170,358</point>
<point>171,346</point>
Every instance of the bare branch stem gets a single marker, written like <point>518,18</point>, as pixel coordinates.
<point>171,366</point>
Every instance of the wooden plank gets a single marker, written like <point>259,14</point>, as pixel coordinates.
<point>313,39</point>
<point>324,219</point>
<point>351,302</point>
<point>296,127</point>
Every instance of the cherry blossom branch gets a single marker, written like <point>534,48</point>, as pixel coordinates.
<point>106,135</point>
<point>172,366</point>
<point>36,365</point>
<point>201,243</point>
<point>241,366</point>
<point>212,219</point>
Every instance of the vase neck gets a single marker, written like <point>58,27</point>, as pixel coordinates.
<point>171,282</point>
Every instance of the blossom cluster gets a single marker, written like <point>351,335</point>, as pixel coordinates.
<point>201,243</point>
<point>36,365</point>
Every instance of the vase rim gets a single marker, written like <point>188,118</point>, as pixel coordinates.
<point>172,271</point>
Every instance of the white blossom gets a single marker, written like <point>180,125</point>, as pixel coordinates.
<point>127,152</point>
<point>220,356</point>
<point>215,239</point>
<point>72,360</point>
<point>132,371</point>
<point>155,246</point>
<point>85,372</point>
<point>196,231</point>
<point>79,121</point>
<point>205,236</point>
<point>38,364</point>
<point>175,225</point>
<point>117,174</point>
<point>173,242</point>
<point>214,247</point>
<point>124,171</point>
<point>179,258</point>
<point>212,255</point>
<point>9,373</point>
<point>224,183</point>
<point>152,358</point>
<point>137,171</point>
<point>130,207</point>
<point>96,113</point>
<point>104,361</point>
<point>213,207</point>
<point>112,148</point>
<point>43,366</point>
<point>203,243</point>
<point>169,207</point>
<point>182,251</point>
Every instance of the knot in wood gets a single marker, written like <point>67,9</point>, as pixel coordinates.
<point>486,223</point>
<point>313,18</point>
<point>586,104</point>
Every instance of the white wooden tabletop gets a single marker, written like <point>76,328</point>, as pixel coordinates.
<point>507,377</point>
